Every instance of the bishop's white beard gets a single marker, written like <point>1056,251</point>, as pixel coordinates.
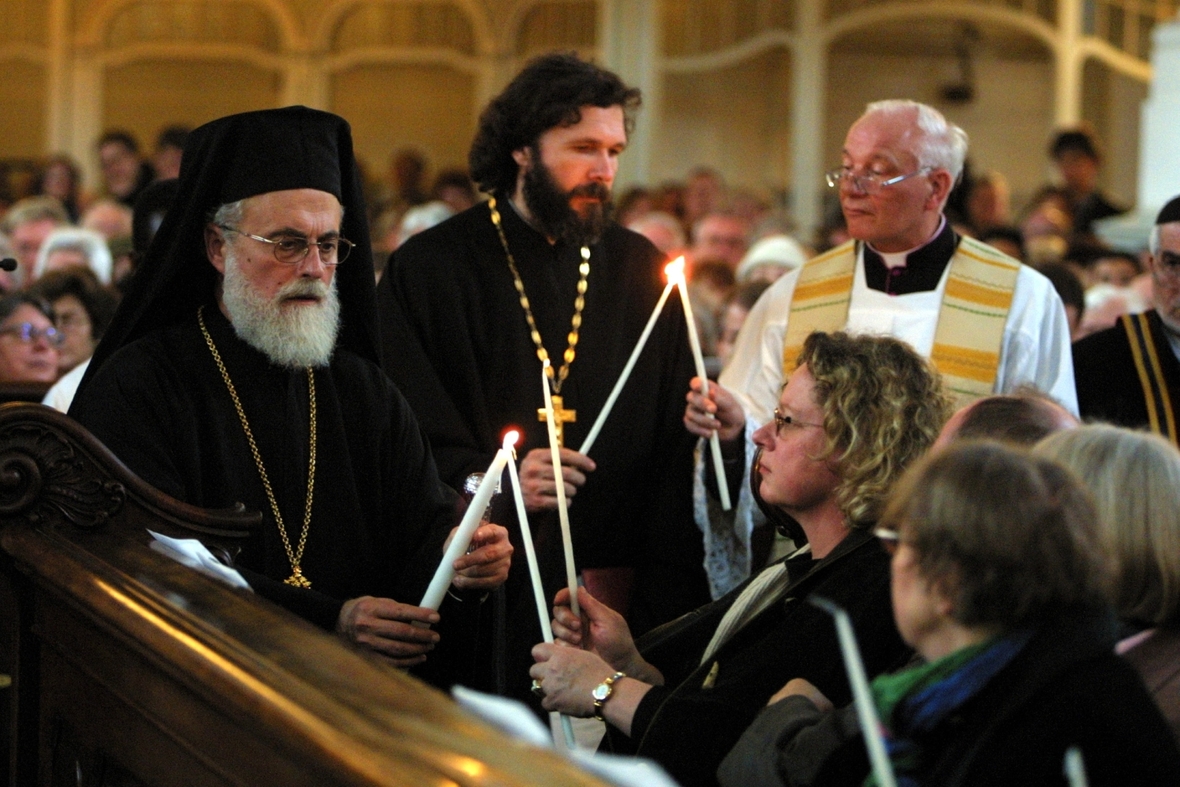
<point>294,336</point>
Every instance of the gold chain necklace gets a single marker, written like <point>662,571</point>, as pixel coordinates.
<point>579,304</point>
<point>294,556</point>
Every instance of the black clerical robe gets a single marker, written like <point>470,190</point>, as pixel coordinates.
<point>456,342</point>
<point>380,514</point>
<point>1110,380</point>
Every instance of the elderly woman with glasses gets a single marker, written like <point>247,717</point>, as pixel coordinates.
<point>1000,582</point>
<point>853,415</point>
<point>28,341</point>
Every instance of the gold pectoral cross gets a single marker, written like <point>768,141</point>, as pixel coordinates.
<point>561,417</point>
<point>297,579</point>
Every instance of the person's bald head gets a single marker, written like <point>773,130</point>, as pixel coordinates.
<point>1020,418</point>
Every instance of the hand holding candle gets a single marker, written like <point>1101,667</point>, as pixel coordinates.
<point>467,527</point>
<point>694,341</point>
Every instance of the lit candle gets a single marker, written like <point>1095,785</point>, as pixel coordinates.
<point>467,527</point>
<point>530,553</point>
<point>694,341</point>
<point>866,710</point>
<point>678,265</point>
<point>563,514</point>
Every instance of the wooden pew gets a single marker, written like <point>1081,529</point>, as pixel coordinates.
<point>129,669</point>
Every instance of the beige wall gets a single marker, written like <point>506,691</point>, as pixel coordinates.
<point>145,96</point>
<point>22,110</point>
<point>736,119</point>
<point>429,108</point>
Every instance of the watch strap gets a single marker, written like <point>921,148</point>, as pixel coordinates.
<point>602,692</point>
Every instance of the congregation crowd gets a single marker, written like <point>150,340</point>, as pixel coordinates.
<point>953,420</point>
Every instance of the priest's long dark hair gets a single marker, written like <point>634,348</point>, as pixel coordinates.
<point>548,93</point>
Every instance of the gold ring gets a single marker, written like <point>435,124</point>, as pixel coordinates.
<point>537,690</point>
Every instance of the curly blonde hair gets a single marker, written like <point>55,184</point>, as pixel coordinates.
<point>883,406</point>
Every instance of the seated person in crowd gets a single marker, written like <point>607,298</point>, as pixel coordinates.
<point>82,310</point>
<point>1022,418</point>
<point>1000,582</point>
<point>28,341</point>
<point>856,411</point>
<point>71,247</point>
<point>1143,529</point>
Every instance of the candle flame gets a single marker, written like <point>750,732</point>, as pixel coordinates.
<point>510,439</point>
<point>675,268</point>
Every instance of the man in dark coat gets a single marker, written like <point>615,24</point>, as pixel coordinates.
<point>471,306</point>
<point>243,369</point>
<point>1130,374</point>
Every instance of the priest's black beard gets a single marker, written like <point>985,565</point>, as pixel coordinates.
<point>550,206</point>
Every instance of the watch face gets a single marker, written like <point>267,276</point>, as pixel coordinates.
<point>601,691</point>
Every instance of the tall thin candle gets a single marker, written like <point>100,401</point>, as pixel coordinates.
<point>694,342</point>
<point>866,710</point>
<point>467,527</point>
<point>526,535</point>
<point>563,514</point>
<point>651,322</point>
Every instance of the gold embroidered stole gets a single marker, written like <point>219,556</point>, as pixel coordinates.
<point>1161,416</point>
<point>970,330</point>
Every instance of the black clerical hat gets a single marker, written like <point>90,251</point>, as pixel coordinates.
<point>1170,212</point>
<point>230,159</point>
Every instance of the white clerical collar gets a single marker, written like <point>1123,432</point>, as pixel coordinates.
<point>898,259</point>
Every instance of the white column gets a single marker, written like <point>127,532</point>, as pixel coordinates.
<point>1067,62</point>
<point>809,69</point>
<point>629,40</point>
<point>305,82</point>
<point>58,106</point>
<point>1159,145</point>
<point>86,104</point>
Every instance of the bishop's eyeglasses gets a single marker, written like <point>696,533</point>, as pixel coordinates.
<point>868,182</point>
<point>293,249</point>
<point>28,333</point>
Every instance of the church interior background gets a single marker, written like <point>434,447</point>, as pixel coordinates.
<point>761,90</point>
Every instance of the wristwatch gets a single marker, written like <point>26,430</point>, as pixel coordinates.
<point>601,693</point>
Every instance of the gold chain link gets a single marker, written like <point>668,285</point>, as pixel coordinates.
<point>294,556</point>
<point>579,304</point>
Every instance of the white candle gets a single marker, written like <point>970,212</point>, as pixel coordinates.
<point>467,527</point>
<point>694,341</point>
<point>526,535</point>
<point>614,394</point>
<point>530,553</point>
<point>563,514</point>
<point>866,710</point>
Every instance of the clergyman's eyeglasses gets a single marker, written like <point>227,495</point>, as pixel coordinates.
<point>292,249</point>
<point>869,182</point>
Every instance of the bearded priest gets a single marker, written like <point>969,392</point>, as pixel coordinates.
<point>243,367</point>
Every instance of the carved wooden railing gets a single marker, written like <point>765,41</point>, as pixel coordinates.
<point>129,669</point>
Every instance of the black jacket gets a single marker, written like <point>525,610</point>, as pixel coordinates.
<point>1066,688</point>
